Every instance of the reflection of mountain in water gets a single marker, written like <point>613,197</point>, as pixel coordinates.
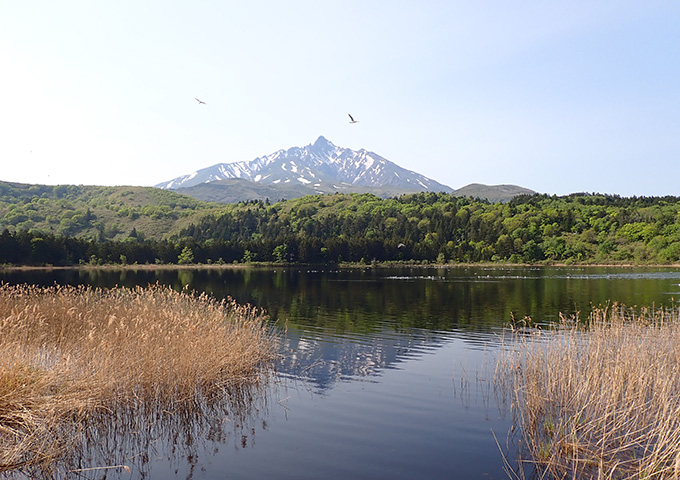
<point>324,358</point>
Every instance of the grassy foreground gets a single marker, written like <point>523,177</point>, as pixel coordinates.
<point>76,359</point>
<point>600,399</point>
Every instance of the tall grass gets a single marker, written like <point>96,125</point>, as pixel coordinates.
<point>79,364</point>
<point>598,399</point>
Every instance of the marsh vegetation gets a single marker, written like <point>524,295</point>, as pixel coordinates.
<point>90,378</point>
<point>600,398</point>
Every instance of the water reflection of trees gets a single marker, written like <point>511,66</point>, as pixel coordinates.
<point>355,323</point>
<point>134,436</point>
<point>368,300</point>
<point>472,298</point>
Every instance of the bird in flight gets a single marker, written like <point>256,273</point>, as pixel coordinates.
<point>200,101</point>
<point>351,119</point>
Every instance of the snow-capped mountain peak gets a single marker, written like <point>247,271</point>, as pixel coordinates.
<point>321,164</point>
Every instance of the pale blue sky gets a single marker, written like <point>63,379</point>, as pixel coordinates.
<point>559,97</point>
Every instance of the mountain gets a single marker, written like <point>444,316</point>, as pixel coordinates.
<point>492,193</point>
<point>322,167</point>
<point>318,168</point>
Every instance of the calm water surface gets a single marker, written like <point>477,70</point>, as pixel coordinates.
<point>385,373</point>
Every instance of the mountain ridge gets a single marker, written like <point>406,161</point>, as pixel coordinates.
<point>322,166</point>
<point>236,190</point>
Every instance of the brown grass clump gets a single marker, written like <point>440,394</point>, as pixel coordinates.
<point>600,400</point>
<point>74,361</point>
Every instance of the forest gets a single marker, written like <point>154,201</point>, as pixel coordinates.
<point>583,228</point>
<point>99,213</point>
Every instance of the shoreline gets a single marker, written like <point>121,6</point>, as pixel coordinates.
<point>199,266</point>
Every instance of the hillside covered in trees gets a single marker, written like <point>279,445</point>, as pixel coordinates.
<point>97,213</point>
<point>421,227</point>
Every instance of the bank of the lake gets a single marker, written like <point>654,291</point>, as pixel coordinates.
<point>325,266</point>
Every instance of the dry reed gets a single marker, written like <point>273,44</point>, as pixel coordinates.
<point>599,399</point>
<point>78,360</point>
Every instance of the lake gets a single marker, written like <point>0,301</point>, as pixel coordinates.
<point>384,373</point>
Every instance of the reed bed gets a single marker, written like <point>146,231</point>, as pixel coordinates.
<point>598,399</point>
<point>78,363</point>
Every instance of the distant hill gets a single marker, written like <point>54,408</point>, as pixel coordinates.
<point>492,193</point>
<point>100,213</point>
<point>235,190</point>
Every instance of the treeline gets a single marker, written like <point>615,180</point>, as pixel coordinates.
<point>440,228</point>
<point>422,227</point>
<point>37,248</point>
